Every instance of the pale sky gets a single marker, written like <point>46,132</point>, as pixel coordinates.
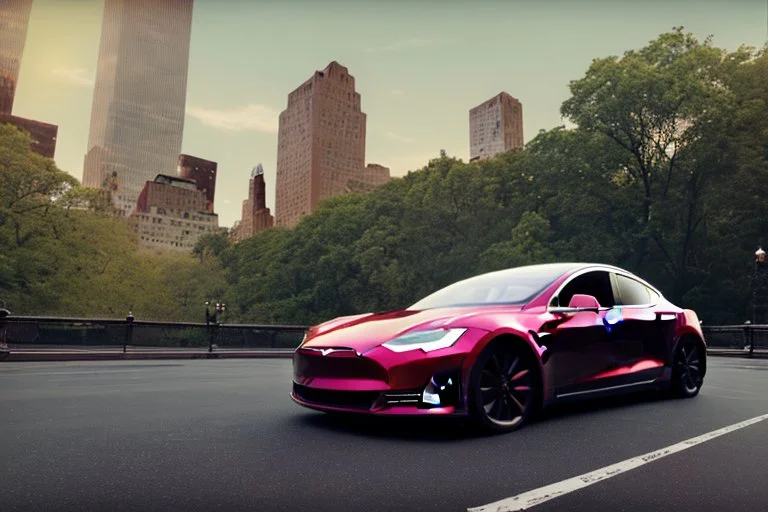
<point>420,65</point>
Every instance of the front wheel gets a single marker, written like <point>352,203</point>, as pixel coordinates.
<point>687,369</point>
<point>503,388</point>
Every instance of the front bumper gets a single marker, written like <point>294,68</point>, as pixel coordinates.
<point>400,403</point>
<point>383,382</point>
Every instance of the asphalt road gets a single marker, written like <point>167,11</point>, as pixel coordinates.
<point>224,435</point>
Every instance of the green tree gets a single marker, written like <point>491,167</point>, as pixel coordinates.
<point>211,245</point>
<point>29,187</point>
<point>656,104</point>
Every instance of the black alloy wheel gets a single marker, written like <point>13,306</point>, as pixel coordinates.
<point>688,369</point>
<point>504,388</point>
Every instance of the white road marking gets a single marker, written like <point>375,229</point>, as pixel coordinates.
<point>742,367</point>
<point>756,397</point>
<point>538,496</point>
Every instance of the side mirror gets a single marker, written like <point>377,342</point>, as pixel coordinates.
<point>583,301</point>
<point>578,304</point>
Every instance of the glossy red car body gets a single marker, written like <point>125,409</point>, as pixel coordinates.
<point>342,364</point>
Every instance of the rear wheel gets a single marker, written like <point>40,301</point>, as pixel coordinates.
<point>688,369</point>
<point>503,388</point>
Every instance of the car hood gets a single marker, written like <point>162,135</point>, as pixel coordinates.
<point>364,332</point>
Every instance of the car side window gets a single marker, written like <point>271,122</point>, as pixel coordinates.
<point>596,283</point>
<point>634,293</point>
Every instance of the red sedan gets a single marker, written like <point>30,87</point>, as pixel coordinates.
<point>498,346</point>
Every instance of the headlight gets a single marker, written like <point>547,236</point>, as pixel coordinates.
<point>425,340</point>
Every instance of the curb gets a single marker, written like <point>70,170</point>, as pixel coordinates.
<point>741,354</point>
<point>131,356</point>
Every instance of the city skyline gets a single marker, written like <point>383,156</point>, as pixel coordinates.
<point>418,79</point>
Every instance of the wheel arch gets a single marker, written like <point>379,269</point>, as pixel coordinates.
<point>690,335</point>
<point>510,339</point>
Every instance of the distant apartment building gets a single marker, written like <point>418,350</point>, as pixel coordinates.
<point>137,116</point>
<point>495,126</point>
<point>321,145</point>
<point>43,135</point>
<point>365,180</point>
<point>256,216</point>
<point>14,19</point>
<point>171,214</point>
<point>202,172</point>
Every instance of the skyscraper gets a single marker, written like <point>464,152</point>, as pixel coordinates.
<point>321,144</point>
<point>137,118</point>
<point>256,217</point>
<point>14,19</point>
<point>495,126</point>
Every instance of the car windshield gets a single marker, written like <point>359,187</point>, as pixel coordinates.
<point>512,286</point>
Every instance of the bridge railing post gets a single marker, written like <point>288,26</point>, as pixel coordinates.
<point>4,313</point>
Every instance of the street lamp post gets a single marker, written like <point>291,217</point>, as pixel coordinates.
<point>759,262</point>
<point>212,321</point>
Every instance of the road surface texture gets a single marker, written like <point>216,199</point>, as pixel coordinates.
<point>204,435</point>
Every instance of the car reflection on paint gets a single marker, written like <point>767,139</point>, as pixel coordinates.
<point>499,346</point>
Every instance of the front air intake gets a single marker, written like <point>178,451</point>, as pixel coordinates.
<point>346,399</point>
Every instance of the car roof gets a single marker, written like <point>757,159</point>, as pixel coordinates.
<point>565,267</point>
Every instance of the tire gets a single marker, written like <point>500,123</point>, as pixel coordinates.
<point>504,388</point>
<point>688,369</point>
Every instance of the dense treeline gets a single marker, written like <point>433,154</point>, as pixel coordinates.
<point>62,252</point>
<point>664,173</point>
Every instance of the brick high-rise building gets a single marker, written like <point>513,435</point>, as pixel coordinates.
<point>43,135</point>
<point>256,217</point>
<point>14,19</point>
<point>171,214</point>
<point>137,117</point>
<point>321,144</point>
<point>202,172</point>
<point>495,126</point>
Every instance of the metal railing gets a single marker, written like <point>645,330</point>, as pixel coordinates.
<point>24,333</point>
<point>745,337</point>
